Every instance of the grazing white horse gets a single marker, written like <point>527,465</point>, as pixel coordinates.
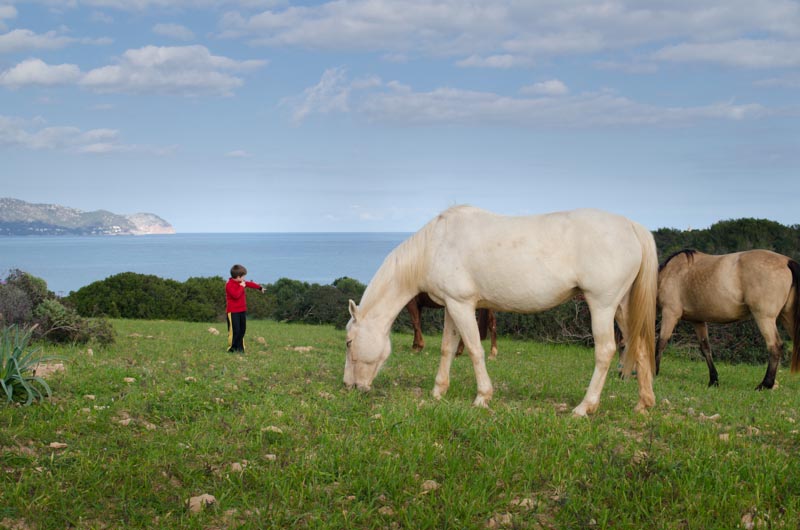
<point>468,258</point>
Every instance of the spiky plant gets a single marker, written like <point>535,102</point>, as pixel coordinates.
<point>18,362</point>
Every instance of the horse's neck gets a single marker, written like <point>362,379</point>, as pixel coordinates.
<point>395,283</point>
<point>383,305</point>
<point>397,280</point>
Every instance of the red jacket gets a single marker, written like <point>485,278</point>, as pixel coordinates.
<point>235,299</point>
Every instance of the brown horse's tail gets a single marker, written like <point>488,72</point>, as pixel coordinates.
<point>795,268</point>
<point>641,341</point>
<point>483,322</point>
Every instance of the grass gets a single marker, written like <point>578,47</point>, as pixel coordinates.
<point>165,415</point>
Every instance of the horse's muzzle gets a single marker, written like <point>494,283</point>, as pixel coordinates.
<point>360,386</point>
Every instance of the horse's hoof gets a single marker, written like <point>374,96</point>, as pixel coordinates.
<point>714,383</point>
<point>481,402</point>
<point>579,412</point>
<point>584,409</point>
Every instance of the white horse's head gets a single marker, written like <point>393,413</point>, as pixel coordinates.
<point>368,347</point>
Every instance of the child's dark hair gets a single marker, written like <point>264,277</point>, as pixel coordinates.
<point>237,271</point>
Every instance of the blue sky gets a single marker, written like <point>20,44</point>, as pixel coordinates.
<point>374,115</point>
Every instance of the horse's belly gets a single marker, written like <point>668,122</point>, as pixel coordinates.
<point>530,299</point>
<point>718,314</point>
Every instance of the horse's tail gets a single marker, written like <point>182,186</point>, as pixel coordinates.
<point>641,325</point>
<point>795,268</point>
<point>483,322</point>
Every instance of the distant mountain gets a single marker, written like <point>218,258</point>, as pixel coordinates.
<point>18,218</point>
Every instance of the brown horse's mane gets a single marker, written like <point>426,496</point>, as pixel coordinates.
<point>690,252</point>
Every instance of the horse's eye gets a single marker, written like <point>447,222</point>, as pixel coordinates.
<point>349,342</point>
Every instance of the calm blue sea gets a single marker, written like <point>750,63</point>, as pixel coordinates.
<point>68,263</point>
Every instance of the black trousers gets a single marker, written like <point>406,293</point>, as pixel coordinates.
<point>237,326</point>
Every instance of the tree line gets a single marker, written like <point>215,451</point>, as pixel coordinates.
<point>140,296</point>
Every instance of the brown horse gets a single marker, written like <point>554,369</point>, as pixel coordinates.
<point>757,284</point>
<point>486,322</point>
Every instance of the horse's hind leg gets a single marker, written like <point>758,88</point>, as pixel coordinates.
<point>604,350</point>
<point>463,317</point>
<point>491,322</point>
<point>416,323</point>
<point>450,339</point>
<point>769,330</point>
<point>701,330</point>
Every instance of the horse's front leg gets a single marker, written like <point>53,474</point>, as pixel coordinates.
<point>463,317</point>
<point>450,340</point>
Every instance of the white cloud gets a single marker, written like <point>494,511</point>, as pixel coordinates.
<point>552,87</point>
<point>32,134</point>
<point>174,31</point>
<point>635,66</point>
<point>505,33</point>
<point>103,18</point>
<point>24,39</point>
<point>37,72</point>
<point>166,5</point>
<point>746,53</point>
<point>494,61</point>
<point>398,104</point>
<point>787,81</point>
<point>6,12</point>
<point>184,70</point>
<point>237,153</point>
<point>329,95</point>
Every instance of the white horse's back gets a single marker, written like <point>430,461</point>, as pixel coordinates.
<point>529,264</point>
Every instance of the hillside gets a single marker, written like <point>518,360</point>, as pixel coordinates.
<point>23,218</point>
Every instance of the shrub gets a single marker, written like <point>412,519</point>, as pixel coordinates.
<point>18,362</point>
<point>129,295</point>
<point>25,301</point>
<point>59,323</point>
<point>35,288</point>
<point>289,296</point>
<point>15,305</point>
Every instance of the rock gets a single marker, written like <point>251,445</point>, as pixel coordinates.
<point>197,504</point>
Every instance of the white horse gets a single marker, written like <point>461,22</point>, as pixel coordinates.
<point>467,258</point>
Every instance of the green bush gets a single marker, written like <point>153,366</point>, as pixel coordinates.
<point>25,301</point>
<point>60,323</point>
<point>15,305</point>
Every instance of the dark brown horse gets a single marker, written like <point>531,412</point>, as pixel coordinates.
<point>486,323</point>
<point>757,284</point>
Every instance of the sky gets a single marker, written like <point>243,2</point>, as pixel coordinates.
<point>375,115</point>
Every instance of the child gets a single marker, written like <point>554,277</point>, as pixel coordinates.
<point>236,303</point>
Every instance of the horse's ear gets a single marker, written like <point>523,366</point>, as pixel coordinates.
<point>353,310</point>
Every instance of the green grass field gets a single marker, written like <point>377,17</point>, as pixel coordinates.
<point>134,430</point>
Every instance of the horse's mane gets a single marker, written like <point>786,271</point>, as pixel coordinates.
<point>402,268</point>
<point>406,265</point>
<point>690,252</point>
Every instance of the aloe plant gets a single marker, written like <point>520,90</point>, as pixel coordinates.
<point>18,361</point>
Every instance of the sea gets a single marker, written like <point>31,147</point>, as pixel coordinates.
<point>68,263</point>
